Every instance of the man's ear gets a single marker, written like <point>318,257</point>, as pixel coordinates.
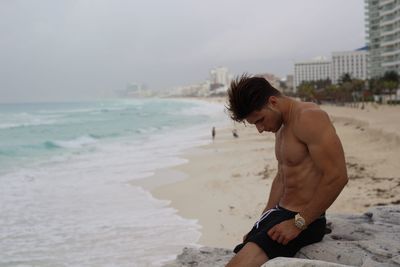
<point>273,101</point>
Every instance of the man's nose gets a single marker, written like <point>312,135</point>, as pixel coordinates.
<point>260,128</point>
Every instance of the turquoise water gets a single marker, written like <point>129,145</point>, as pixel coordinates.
<point>65,180</point>
<point>34,132</point>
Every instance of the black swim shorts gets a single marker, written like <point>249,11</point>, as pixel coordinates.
<point>259,233</point>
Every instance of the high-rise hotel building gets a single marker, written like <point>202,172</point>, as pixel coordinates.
<point>317,69</point>
<point>351,62</point>
<point>383,36</point>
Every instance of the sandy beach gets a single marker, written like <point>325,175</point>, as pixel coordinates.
<point>225,185</point>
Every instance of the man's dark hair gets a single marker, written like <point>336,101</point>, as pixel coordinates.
<point>247,94</point>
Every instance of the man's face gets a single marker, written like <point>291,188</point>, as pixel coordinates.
<point>268,119</point>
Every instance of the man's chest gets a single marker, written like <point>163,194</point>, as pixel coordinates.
<point>289,150</point>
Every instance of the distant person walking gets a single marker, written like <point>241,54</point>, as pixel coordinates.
<point>234,133</point>
<point>213,133</point>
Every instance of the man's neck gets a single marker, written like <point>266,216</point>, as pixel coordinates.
<point>287,109</point>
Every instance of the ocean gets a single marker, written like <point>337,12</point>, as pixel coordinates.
<point>66,172</point>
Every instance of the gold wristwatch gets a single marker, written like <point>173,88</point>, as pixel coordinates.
<point>300,222</point>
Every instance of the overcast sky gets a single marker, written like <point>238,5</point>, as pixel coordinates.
<point>82,49</point>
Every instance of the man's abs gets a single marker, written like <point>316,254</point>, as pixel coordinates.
<point>300,183</point>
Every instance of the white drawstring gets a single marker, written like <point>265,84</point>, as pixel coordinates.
<point>265,215</point>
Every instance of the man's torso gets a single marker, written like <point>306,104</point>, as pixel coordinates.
<point>299,173</point>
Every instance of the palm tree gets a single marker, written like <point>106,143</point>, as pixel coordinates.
<point>357,87</point>
<point>306,90</point>
<point>345,77</point>
<point>391,76</point>
<point>346,87</point>
<point>391,80</point>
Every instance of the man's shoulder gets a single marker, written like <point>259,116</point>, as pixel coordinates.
<point>310,121</point>
<point>309,112</point>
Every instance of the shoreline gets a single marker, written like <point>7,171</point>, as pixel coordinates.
<point>225,184</point>
<point>210,198</point>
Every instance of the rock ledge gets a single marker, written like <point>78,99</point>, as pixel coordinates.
<point>368,240</point>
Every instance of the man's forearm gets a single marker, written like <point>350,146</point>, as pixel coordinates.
<point>323,198</point>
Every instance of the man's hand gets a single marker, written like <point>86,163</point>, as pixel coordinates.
<point>284,232</point>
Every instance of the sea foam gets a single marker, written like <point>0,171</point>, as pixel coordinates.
<point>67,205</point>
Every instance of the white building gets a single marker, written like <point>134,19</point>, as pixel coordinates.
<point>383,36</point>
<point>289,81</point>
<point>354,63</point>
<point>220,76</point>
<point>195,90</point>
<point>351,62</point>
<point>317,69</point>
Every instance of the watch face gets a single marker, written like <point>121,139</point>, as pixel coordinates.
<point>299,222</point>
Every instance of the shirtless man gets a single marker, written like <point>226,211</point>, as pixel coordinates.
<point>311,170</point>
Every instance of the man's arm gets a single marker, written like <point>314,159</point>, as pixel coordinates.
<point>317,132</point>
<point>276,191</point>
